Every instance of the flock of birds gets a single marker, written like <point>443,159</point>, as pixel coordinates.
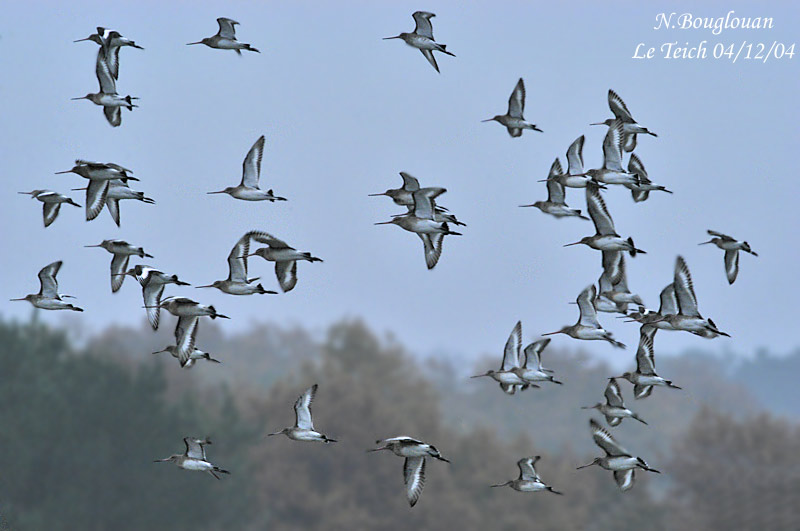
<point>521,368</point>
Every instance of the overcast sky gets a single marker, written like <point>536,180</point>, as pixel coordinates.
<point>343,112</point>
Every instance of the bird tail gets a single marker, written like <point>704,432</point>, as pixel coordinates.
<point>550,489</point>
<point>443,49</point>
<point>312,258</point>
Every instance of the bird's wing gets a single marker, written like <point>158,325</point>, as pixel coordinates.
<point>645,354</point>
<point>113,115</point>
<point>432,245</point>
<point>531,355</point>
<point>613,394</point>
<point>185,334</point>
<point>622,283</point>
<point>625,478</point>
<point>268,239</point>
<point>512,349</point>
<point>612,147</point>
<point>555,190</point>
<point>586,306</point>
<point>575,156</point>
<point>112,205</point>
<point>635,166</point>
<point>431,59</point>
<point>151,293</point>
<point>96,194</point>
<point>50,212</point>
<point>226,28</point>
<point>119,264</point>
<point>611,267</point>
<point>604,440</point>
<point>103,72</point>
<point>286,271</point>
<point>598,211</point>
<point>194,448</point>
<point>414,476</point>
<point>642,391</point>
<point>669,303</point>
<point>720,235</point>
<point>516,102</point>
<point>423,27</point>
<point>237,260</point>
<point>684,289</point>
<point>410,183</point>
<point>302,409</point>
<point>423,201</point>
<point>731,264</point>
<point>619,108</point>
<point>527,468</point>
<point>251,167</point>
<point>48,285</point>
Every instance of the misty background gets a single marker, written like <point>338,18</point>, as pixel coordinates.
<point>391,343</point>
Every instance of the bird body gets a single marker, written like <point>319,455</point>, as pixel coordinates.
<point>422,38</point>
<point>630,128</point>
<point>605,237</point>
<point>122,252</point>
<point>613,409</point>
<point>285,258</point>
<point>238,282</point>
<point>617,458</point>
<point>588,327</point>
<point>556,205</point>
<point>48,297</point>
<point>303,429</point>
<point>528,480</point>
<point>645,377</point>
<point>508,376</point>
<point>248,189</point>
<point>731,246</point>
<point>194,458</point>
<point>51,203</point>
<point>225,38</point>
<point>513,119</point>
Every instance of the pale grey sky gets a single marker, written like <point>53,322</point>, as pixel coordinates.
<point>343,112</point>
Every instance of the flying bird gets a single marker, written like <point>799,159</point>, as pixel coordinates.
<point>285,258</point>
<point>623,115</point>
<point>153,283</point>
<point>688,317</point>
<point>528,480</point>
<point>531,370</point>
<point>508,377</point>
<point>513,120</point>
<point>588,327</point>
<point>194,355</point>
<point>731,246</point>
<point>188,313</point>
<point>51,203</point>
<point>48,297</point>
<point>225,38</point>
<point>122,252</point>
<point>303,429</point>
<point>107,97</point>
<point>117,191</point>
<point>110,42</point>
<point>641,191</point>
<point>194,458</point>
<point>237,282</point>
<point>645,377</point>
<point>100,175</point>
<point>423,221</point>
<point>617,459</point>
<point>248,189</point>
<point>415,452</point>
<point>617,291</point>
<point>422,38</point>
<point>605,238</point>
<point>613,409</point>
<point>556,205</point>
<point>612,171</point>
<point>575,177</point>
